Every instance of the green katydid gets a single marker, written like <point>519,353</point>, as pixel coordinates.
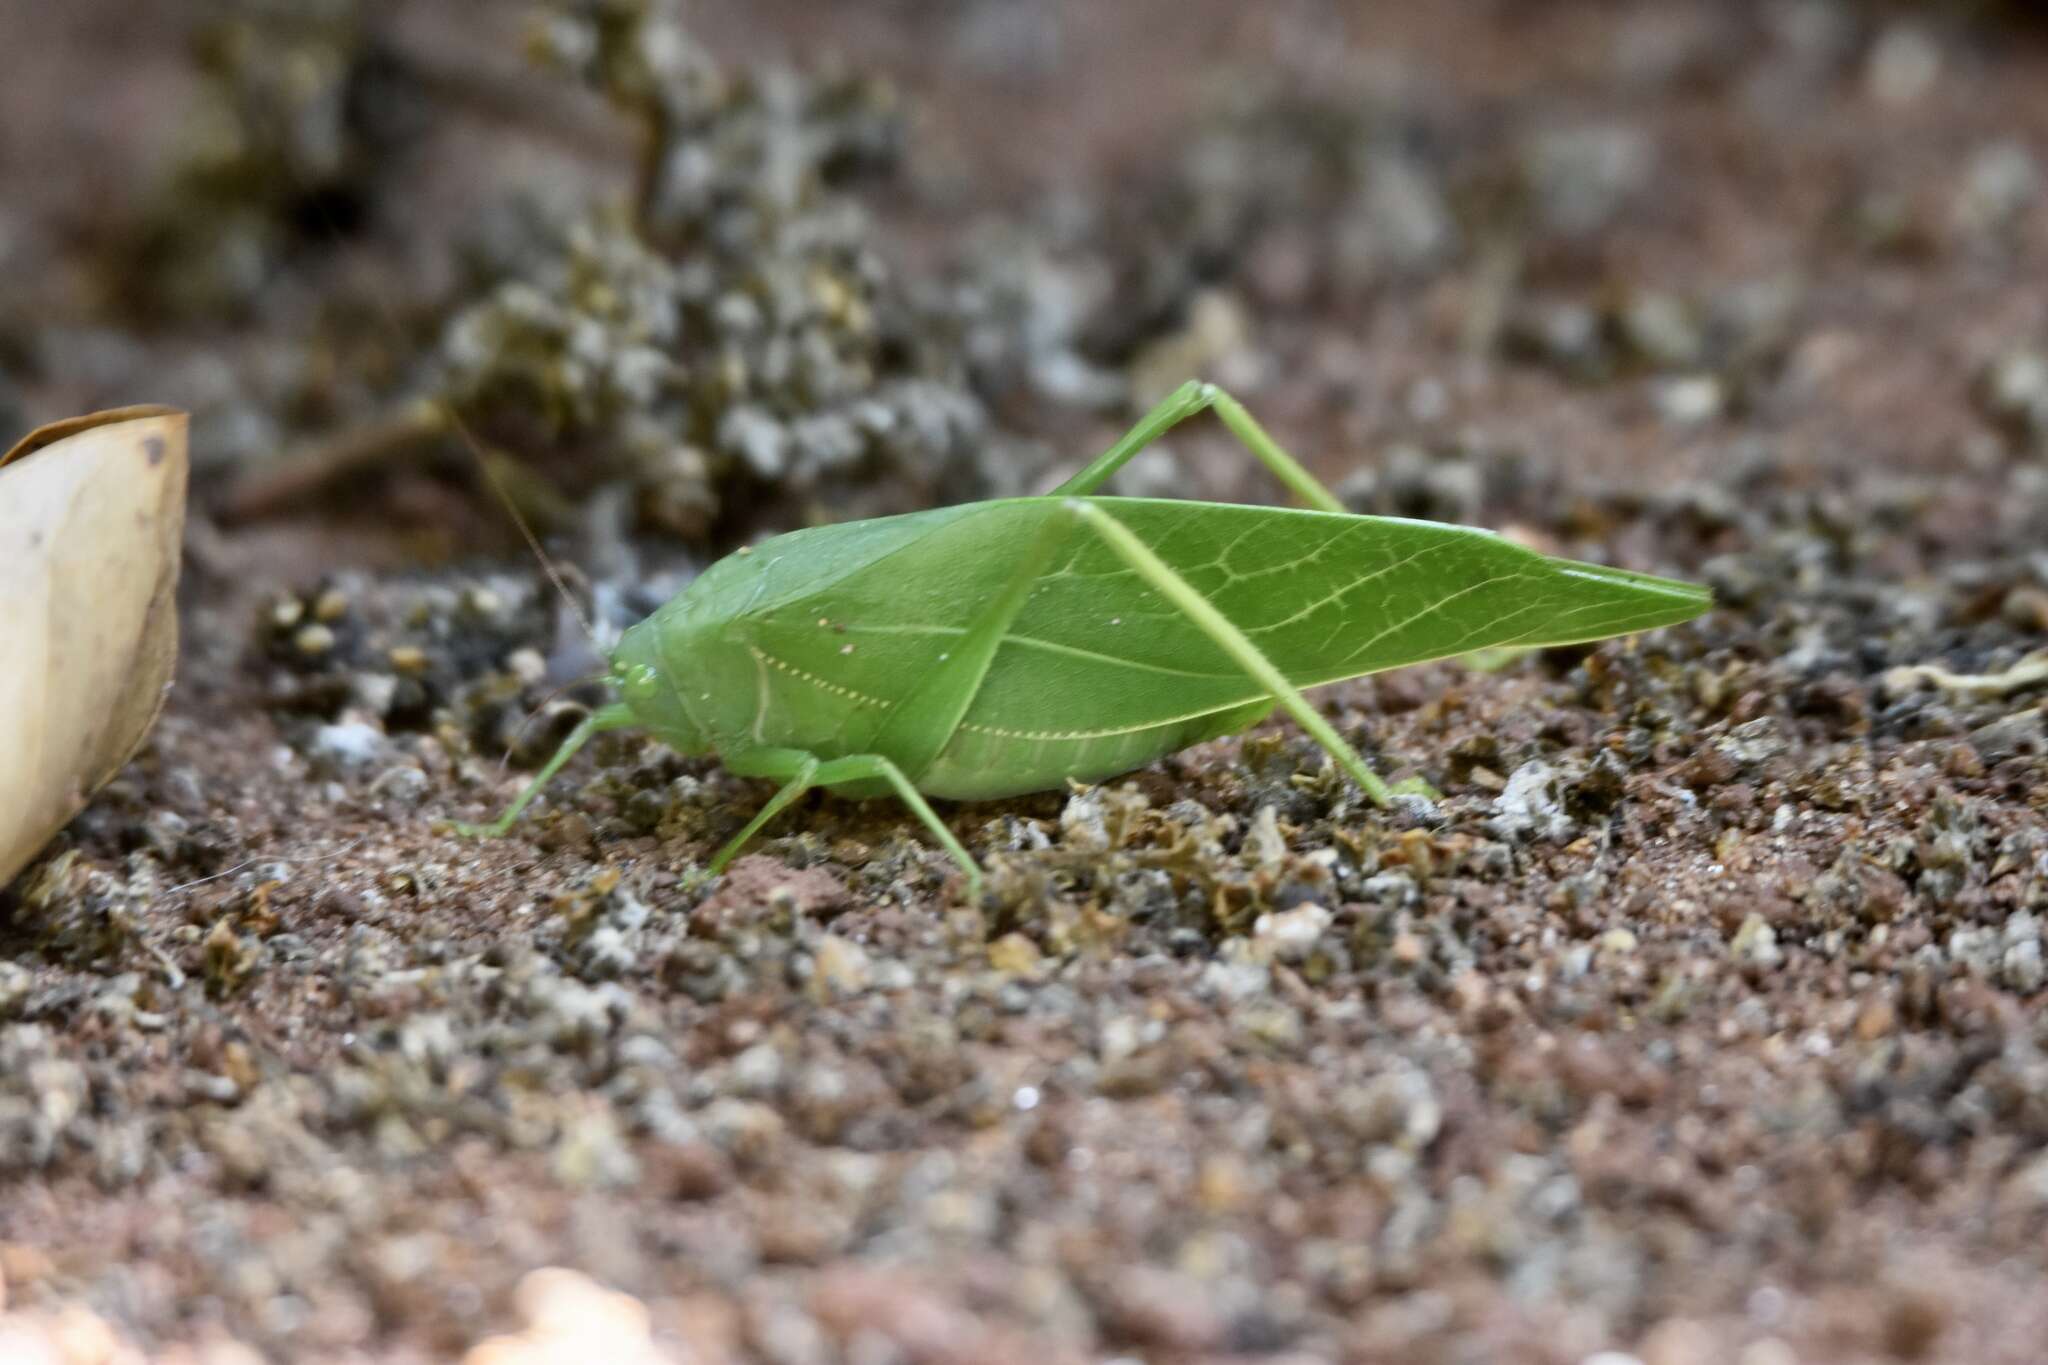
<point>1010,646</point>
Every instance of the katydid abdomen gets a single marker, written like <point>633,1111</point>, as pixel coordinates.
<point>984,762</point>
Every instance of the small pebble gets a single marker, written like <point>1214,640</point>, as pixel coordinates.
<point>347,748</point>
<point>1903,65</point>
<point>1690,400</point>
<point>1292,935</point>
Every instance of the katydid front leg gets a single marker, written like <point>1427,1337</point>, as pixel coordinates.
<point>615,717</point>
<point>1184,402</point>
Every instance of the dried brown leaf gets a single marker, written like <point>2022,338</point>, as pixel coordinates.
<point>92,512</point>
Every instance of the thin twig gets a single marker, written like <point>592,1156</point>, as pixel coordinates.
<point>267,491</point>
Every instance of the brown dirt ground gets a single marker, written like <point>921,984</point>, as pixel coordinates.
<point>1730,1043</point>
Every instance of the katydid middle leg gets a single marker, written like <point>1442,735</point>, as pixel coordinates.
<point>802,771</point>
<point>1191,398</point>
<point>869,767</point>
<point>800,775</point>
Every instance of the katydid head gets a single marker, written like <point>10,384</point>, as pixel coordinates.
<point>644,682</point>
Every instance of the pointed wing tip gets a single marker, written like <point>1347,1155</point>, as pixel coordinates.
<point>1643,601</point>
<point>1649,585</point>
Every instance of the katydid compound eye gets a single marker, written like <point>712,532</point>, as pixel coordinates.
<point>639,683</point>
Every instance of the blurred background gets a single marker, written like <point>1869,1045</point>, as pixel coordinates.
<point>1705,1020</point>
<point>791,258</point>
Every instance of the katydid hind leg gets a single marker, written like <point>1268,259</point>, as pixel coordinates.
<point>1269,453</point>
<point>1184,402</point>
<point>617,717</point>
<point>1232,641</point>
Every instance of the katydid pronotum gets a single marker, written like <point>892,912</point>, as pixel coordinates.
<point>1010,646</point>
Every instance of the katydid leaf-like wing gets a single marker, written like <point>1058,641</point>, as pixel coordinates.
<point>1094,651</point>
<point>1324,596</point>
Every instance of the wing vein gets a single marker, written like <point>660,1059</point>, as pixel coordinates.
<point>1077,652</point>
